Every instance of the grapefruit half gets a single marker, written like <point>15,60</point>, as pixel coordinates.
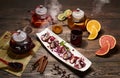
<point>104,49</point>
<point>109,38</point>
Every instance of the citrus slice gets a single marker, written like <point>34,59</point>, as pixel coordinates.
<point>93,34</point>
<point>86,21</point>
<point>104,49</point>
<point>61,17</point>
<point>109,38</point>
<point>67,12</point>
<point>93,24</point>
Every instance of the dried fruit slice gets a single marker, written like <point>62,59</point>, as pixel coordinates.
<point>93,24</point>
<point>67,12</point>
<point>61,17</point>
<point>93,34</point>
<point>104,49</point>
<point>109,38</point>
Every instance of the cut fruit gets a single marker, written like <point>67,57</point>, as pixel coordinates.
<point>93,24</point>
<point>109,38</point>
<point>104,49</point>
<point>67,12</point>
<point>93,34</point>
<point>86,21</point>
<point>61,17</point>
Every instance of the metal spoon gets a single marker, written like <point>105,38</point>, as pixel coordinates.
<point>15,66</point>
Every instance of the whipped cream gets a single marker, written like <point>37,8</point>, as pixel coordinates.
<point>19,36</point>
<point>78,15</point>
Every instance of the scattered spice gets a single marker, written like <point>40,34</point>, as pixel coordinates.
<point>57,70</point>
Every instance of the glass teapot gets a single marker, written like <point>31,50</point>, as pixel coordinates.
<point>40,17</point>
<point>21,43</point>
<point>77,19</point>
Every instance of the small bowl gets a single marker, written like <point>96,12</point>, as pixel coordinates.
<point>57,29</point>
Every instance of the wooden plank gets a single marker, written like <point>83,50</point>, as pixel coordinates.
<point>15,14</point>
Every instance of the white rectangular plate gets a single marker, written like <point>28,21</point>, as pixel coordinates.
<point>75,52</point>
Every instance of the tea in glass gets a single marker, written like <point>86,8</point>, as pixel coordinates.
<point>76,37</point>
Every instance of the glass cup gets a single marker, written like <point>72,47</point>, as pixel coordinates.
<point>76,37</point>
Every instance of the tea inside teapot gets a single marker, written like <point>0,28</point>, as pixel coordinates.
<point>21,43</point>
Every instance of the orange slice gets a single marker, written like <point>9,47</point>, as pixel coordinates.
<point>86,21</point>
<point>93,34</point>
<point>93,24</point>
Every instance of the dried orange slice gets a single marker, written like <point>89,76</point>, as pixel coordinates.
<point>93,24</point>
<point>93,34</point>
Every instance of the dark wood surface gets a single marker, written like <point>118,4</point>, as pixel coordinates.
<point>15,14</point>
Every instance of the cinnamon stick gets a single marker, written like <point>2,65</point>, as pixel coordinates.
<point>36,64</point>
<point>44,64</point>
<point>40,64</point>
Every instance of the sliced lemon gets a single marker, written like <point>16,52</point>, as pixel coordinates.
<point>93,24</point>
<point>61,17</point>
<point>67,12</point>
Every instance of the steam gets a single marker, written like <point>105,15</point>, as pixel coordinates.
<point>54,7</point>
<point>98,5</point>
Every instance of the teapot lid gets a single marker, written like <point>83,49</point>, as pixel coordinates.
<point>78,13</point>
<point>41,10</point>
<point>19,36</point>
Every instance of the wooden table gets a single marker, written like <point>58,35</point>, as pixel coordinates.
<point>15,14</point>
